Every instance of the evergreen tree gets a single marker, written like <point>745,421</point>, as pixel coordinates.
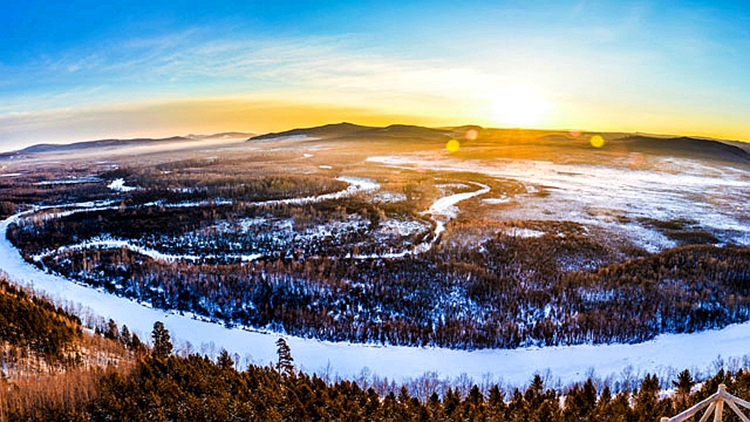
<point>647,406</point>
<point>113,332</point>
<point>580,402</point>
<point>683,384</point>
<point>135,343</point>
<point>125,336</point>
<point>284,364</point>
<point>162,341</point>
<point>224,360</point>
<point>451,402</point>
<point>496,398</point>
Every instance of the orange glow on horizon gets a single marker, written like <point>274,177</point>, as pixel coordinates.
<point>261,115</point>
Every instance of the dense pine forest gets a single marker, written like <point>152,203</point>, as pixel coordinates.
<point>371,267</point>
<point>560,288</point>
<point>161,386</point>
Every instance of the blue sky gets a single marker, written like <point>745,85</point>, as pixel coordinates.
<point>83,70</point>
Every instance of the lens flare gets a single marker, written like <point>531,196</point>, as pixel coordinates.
<point>471,135</point>
<point>575,132</point>
<point>453,145</point>
<point>596,141</point>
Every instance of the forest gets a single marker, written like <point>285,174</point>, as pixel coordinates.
<point>243,241</point>
<point>368,268</point>
<point>508,292</point>
<point>159,384</point>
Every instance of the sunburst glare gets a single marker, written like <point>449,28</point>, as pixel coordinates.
<point>520,105</point>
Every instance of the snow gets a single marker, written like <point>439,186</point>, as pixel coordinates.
<point>384,196</point>
<point>444,208</point>
<point>569,363</point>
<point>100,243</point>
<point>495,201</point>
<point>288,138</point>
<point>88,179</point>
<point>521,232</point>
<point>394,227</point>
<point>11,174</point>
<point>614,196</point>
<point>324,167</point>
<point>452,186</point>
<point>118,185</point>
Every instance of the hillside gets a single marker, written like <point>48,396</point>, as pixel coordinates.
<point>35,327</point>
<point>50,363</point>
<point>327,131</point>
<point>686,147</point>
<point>104,144</point>
<point>546,143</point>
<point>162,386</point>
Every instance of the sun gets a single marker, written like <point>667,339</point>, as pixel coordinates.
<point>520,106</point>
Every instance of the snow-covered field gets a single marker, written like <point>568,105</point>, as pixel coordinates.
<point>615,197</point>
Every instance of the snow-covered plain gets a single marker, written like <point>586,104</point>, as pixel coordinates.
<point>613,196</point>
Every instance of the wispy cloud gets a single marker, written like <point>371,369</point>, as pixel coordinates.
<point>183,66</point>
<point>581,64</point>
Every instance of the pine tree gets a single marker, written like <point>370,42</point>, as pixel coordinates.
<point>113,332</point>
<point>125,336</point>
<point>284,364</point>
<point>224,360</point>
<point>683,384</point>
<point>647,405</point>
<point>135,343</point>
<point>162,341</point>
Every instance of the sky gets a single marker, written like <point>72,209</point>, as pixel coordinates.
<point>81,70</point>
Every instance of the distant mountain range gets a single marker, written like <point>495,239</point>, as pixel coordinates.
<point>615,142</point>
<point>691,147</point>
<point>116,143</point>
<point>350,130</point>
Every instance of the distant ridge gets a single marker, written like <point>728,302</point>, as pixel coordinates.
<point>329,130</point>
<point>101,143</point>
<point>686,146</point>
<point>661,145</point>
<point>111,143</point>
<point>402,131</point>
<point>351,130</point>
